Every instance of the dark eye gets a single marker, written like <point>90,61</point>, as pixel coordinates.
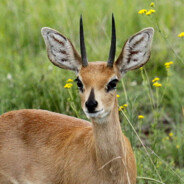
<point>112,85</point>
<point>79,84</point>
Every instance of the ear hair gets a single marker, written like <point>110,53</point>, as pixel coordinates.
<point>60,50</point>
<point>136,51</point>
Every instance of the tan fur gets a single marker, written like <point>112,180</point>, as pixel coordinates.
<point>43,147</point>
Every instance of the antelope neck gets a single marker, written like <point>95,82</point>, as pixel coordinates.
<point>108,142</point>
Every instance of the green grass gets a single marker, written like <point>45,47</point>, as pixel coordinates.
<point>29,80</point>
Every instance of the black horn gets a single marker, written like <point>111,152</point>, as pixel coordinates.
<point>113,45</point>
<point>82,45</point>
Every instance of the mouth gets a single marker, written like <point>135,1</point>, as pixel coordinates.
<point>95,114</point>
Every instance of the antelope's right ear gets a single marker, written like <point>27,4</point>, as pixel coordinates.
<point>60,50</point>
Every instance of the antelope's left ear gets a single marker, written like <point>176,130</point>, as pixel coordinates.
<point>136,51</point>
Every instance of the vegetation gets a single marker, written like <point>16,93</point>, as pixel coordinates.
<point>29,80</point>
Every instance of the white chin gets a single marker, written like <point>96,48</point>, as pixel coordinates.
<point>100,114</point>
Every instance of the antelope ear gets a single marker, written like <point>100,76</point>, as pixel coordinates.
<point>136,51</point>
<point>60,50</point>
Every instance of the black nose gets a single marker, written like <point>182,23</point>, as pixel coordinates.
<point>91,105</point>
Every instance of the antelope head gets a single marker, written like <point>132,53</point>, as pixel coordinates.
<point>97,80</point>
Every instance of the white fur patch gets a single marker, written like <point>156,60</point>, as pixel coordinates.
<point>99,117</point>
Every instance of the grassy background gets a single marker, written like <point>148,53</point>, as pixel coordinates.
<point>29,80</point>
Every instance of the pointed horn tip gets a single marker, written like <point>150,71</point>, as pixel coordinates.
<point>82,45</point>
<point>113,20</point>
<point>112,51</point>
<point>113,17</point>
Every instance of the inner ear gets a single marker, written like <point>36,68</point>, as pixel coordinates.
<point>136,51</point>
<point>60,50</point>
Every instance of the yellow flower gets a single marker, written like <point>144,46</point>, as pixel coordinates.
<point>68,85</point>
<point>152,4</point>
<point>157,84</point>
<point>69,80</point>
<point>168,64</point>
<point>140,117</point>
<point>125,105</point>
<point>181,34</point>
<point>171,134</point>
<point>177,146</point>
<point>150,12</point>
<point>117,96</point>
<point>141,68</point>
<point>142,11</point>
<point>156,79</point>
<point>122,107</point>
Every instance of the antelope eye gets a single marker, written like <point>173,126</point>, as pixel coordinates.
<point>79,84</point>
<point>112,85</point>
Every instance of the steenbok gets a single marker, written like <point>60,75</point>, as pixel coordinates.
<point>42,147</point>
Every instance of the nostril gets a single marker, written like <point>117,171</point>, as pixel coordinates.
<point>95,103</point>
<point>91,105</point>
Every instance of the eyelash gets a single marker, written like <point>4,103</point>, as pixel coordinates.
<point>79,84</point>
<point>111,85</point>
